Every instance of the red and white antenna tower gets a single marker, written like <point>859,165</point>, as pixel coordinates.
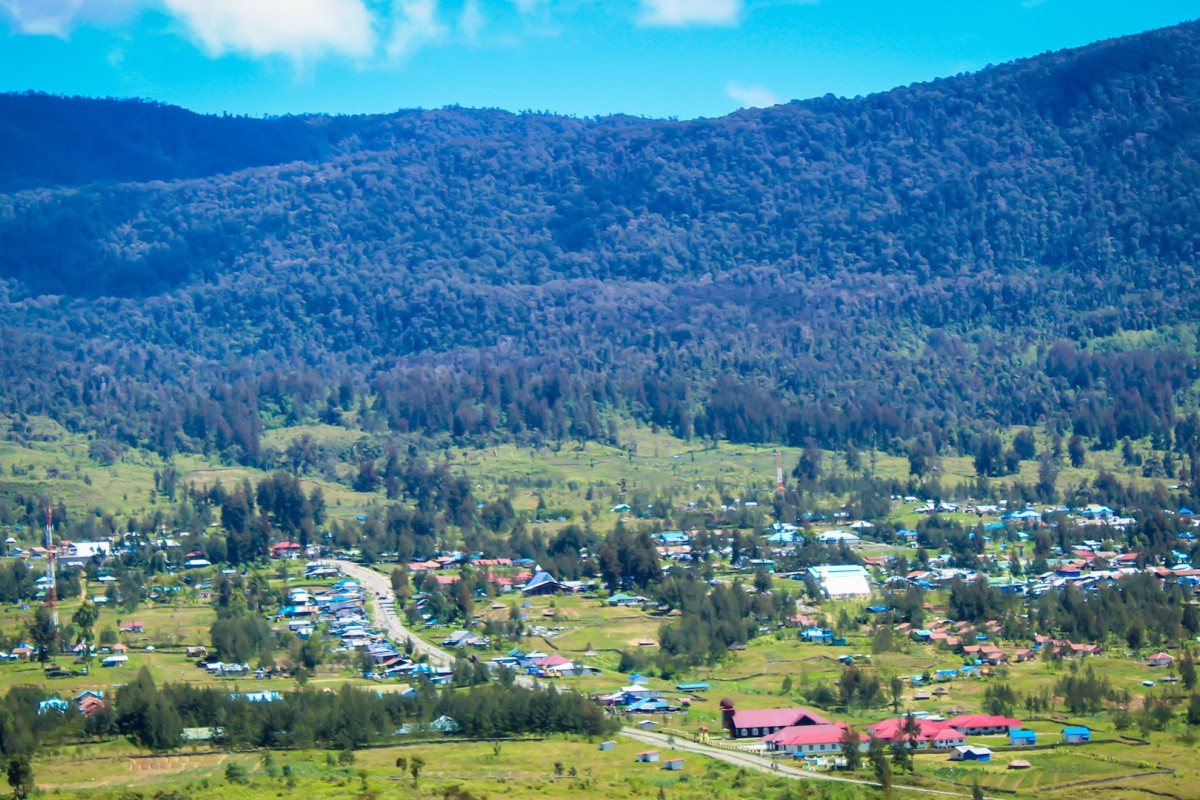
<point>51,590</point>
<point>779,487</point>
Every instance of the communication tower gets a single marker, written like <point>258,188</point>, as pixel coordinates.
<point>779,487</point>
<point>51,590</point>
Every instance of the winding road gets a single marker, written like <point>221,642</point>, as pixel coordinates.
<point>383,611</point>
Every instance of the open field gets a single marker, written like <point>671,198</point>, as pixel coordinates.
<point>576,478</point>
<point>553,767</point>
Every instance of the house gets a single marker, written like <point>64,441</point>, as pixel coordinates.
<point>805,740</point>
<point>543,583</point>
<point>91,705</point>
<point>197,651</point>
<point>967,752</point>
<point>674,764</point>
<point>609,745</point>
<point>843,580</point>
<point>443,724</point>
<point>137,626</point>
<point>113,660</point>
<point>201,734</point>
<point>927,734</point>
<point>1076,734</point>
<point>286,550</point>
<point>1021,738</point>
<point>1160,660</point>
<point>78,553</point>
<point>983,724</point>
<point>56,704</point>
<point>837,536</point>
<point>760,722</point>
<point>647,756</point>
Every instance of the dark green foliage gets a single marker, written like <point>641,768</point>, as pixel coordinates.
<point>846,272</point>
<point>713,618</point>
<point>20,775</point>
<point>1083,693</point>
<point>43,633</point>
<point>153,716</point>
<point>859,688</point>
<point>850,743</point>
<point>16,581</point>
<point>999,699</point>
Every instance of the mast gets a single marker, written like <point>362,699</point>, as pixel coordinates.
<point>51,589</point>
<point>779,487</point>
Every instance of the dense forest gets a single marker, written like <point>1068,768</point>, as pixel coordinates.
<point>908,269</point>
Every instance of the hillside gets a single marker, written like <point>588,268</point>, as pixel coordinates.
<point>1015,246</point>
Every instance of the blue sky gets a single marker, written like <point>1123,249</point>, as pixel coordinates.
<point>659,58</point>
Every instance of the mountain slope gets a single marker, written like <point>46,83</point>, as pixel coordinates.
<point>850,270</point>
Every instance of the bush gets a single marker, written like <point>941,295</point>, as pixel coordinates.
<point>235,773</point>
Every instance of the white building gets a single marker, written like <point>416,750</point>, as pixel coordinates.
<point>845,580</point>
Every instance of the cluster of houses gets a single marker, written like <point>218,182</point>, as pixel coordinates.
<point>541,665</point>
<point>443,571</point>
<point>955,635</point>
<point>342,611</point>
<point>639,698</point>
<point>804,733</point>
<point>89,703</point>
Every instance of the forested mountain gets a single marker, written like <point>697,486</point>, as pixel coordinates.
<point>1013,246</point>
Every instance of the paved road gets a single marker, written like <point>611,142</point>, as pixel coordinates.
<point>384,612</point>
<point>766,765</point>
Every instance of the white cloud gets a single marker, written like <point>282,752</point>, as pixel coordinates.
<point>42,16</point>
<point>677,13</point>
<point>753,95</point>
<point>471,22</point>
<point>296,28</point>
<point>414,24</point>
<point>530,6</point>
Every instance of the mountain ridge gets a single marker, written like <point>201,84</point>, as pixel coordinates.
<point>767,276</point>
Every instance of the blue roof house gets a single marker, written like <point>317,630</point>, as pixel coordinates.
<point>1021,738</point>
<point>1076,734</point>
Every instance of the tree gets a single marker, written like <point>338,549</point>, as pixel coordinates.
<point>235,773</point>
<point>44,633</point>
<point>415,765</point>
<point>897,688</point>
<point>85,618</point>
<point>1135,636</point>
<point>988,455</point>
<point>1024,445</point>
<point>1193,710</point>
<point>976,791</point>
<point>902,755</point>
<point>400,585</point>
<point>1076,451</point>
<point>877,755</point>
<point>808,469</point>
<point>1187,670</point>
<point>20,775</point>
<point>850,743</point>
